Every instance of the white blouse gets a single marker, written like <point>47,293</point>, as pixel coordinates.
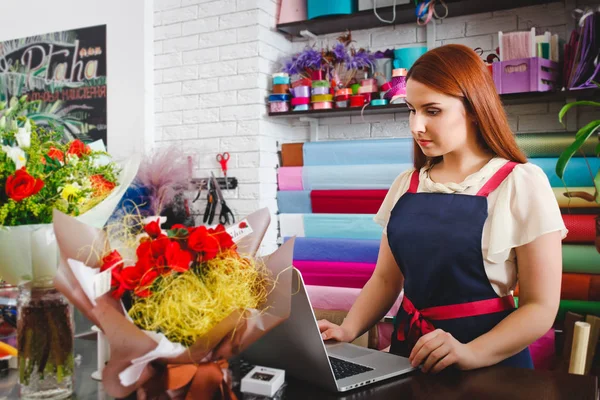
<point>521,209</point>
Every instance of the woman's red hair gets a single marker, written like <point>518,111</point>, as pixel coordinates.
<point>456,70</point>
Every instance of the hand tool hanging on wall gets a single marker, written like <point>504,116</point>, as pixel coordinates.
<point>223,158</point>
<point>225,215</point>
<point>211,204</point>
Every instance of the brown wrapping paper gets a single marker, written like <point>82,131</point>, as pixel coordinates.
<point>291,155</point>
<point>127,342</point>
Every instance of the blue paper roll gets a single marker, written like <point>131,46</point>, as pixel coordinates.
<point>294,202</point>
<point>374,176</point>
<point>340,250</point>
<point>357,152</point>
<point>341,226</point>
<point>577,173</point>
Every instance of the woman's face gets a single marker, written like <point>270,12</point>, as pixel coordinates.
<point>439,123</point>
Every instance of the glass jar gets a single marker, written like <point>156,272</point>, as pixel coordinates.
<point>45,337</point>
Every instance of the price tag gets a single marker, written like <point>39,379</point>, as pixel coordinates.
<point>240,230</point>
<point>102,283</point>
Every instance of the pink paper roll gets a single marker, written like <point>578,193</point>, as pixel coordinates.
<point>542,351</point>
<point>340,274</point>
<point>290,178</point>
<point>342,299</point>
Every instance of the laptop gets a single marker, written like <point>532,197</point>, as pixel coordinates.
<point>296,346</point>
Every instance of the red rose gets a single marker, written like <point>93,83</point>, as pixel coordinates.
<point>153,229</point>
<point>176,259</point>
<point>204,244</point>
<point>55,154</point>
<point>159,246</point>
<point>224,238</point>
<point>113,259</point>
<point>100,185</point>
<point>78,148</point>
<point>22,185</point>
<point>131,276</point>
<point>143,290</point>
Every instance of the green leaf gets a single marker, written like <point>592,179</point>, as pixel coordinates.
<point>567,107</point>
<point>597,185</point>
<point>582,135</point>
<point>598,149</point>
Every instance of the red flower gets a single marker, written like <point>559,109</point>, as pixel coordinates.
<point>54,153</point>
<point>153,229</point>
<point>22,185</point>
<point>131,276</point>
<point>224,238</point>
<point>176,259</point>
<point>78,148</point>
<point>113,259</point>
<point>243,225</point>
<point>178,226</point>
<point>100,185</point>
<point>206,245</point>
<point>159,246</point>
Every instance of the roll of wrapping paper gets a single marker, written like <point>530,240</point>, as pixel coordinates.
<point>334,249</point>
<point>585,287</point>
<point>320,98</point>
<point>298,101</point>
<point>322,105</point>
<point>582,228</point>
<point>294,202</point>
<point>581,338</point>
<point>581,258</point>
<point>302,82</point>
<point>346,201</point>
<point>351,177</point>
<point>320,90</point>
<point>292,154</point>
<point>577,173</point>
<point>574,306</point>
<point>331,226</point>
<point>359,152</point>
<point>281,89</point>
<point>552,144</point>
<point>576,202</point>
<point>290,178</point>
<point>320,83</point>
<point>338,274</point>
<point>301,91</point>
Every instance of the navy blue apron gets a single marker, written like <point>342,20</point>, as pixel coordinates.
<point>436,241</point>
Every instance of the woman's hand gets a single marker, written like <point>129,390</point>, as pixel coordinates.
<point>438,350</point>
<point>331,331</point>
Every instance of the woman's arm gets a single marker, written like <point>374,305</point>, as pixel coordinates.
<point>374,301</point>
<point>540,271</point>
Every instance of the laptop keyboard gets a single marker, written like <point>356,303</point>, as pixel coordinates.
<point>344,369</point>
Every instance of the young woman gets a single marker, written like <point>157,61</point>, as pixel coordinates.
<point>460,227</point>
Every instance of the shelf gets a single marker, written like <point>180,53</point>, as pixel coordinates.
<point>513,98</point>
<point>405,13</point>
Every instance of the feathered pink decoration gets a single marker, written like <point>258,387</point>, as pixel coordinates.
<point>163,174</point>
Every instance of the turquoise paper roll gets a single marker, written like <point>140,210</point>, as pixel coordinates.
<point>357,152</point>
<point>294,202</point>
<point>374,176</point>
<point>341,226</point>
<point>576,174</point>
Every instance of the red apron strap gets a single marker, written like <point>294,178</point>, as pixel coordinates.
<point>495,181</point>
<point>414,182</point>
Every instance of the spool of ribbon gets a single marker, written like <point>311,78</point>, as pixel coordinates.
<point>398,88</point>
<point>355,88</point>
<point>342,92</point>
<point>301,82</point>
<point>342,103</point>
<point>399,72</point>
<point>318,98</point>
<point>302,107</point>
<point>301,91</point>
<point>297,101</point>
<point>320,90</point>
<point>321,83</point>
<point>281,74</point>
<point>385,87</point>
<point>379,102</point>
<point>357,100</point>
<point>317,75</point>
<point>281,80</point>
<point>367,89</point>
<point>323,105</point>
<point>279,106</point>
<point>368,97</point>
<point>281,89</point>
<point>343,97</point>
<point>279,97</point>
<point>368,82</point>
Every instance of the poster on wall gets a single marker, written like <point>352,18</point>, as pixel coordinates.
<point>64,74</point>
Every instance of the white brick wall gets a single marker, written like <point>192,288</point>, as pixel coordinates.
<point>213,62</point>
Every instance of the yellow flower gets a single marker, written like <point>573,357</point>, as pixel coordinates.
<point>69,192</point>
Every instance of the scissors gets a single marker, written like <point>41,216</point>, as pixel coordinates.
<point>226,215</point>
<point>223,158</point>
<point>211,204</point>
